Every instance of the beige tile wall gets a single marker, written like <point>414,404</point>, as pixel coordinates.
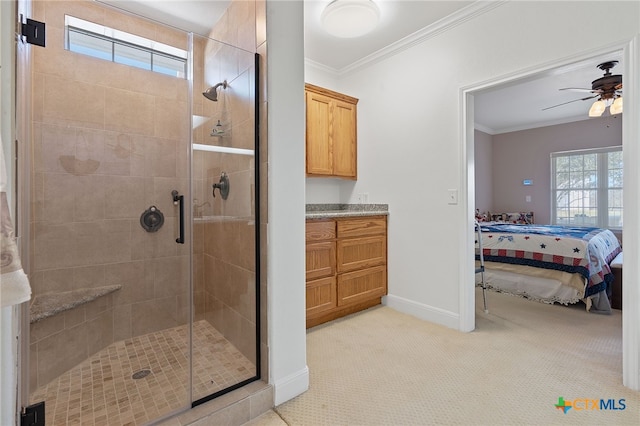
<point>108,143</point>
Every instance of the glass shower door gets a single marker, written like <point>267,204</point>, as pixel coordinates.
<point>110,252</point>
<point>225,328</point>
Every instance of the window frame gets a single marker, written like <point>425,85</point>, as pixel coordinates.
<point>602,190</point>
<point>121,38</point>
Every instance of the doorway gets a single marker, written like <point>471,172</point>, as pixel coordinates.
<point>631,356</point>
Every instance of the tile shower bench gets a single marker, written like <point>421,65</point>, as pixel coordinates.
<point>47,305</point>
<point>67,328</point>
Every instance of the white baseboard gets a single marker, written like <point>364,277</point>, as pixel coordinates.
<point>291,386</point>
<point>422,311</point>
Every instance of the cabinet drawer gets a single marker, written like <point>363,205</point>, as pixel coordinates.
<point>360,253</point>
<point>320,259</point>
<point>362,227</point>
<point>321,296</point>
<point>359,286</point>
<point>320,230</point>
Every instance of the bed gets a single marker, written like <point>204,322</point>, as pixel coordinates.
<point>550,263</point>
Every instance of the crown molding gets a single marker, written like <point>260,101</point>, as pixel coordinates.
<point>321,67</point>
<point>493,132</point>
<point>484,129</point>
<point>470,12</point>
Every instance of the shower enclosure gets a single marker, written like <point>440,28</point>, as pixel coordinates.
<point>144,220</point>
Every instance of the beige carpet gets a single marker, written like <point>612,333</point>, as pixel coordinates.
<point>381,367</point>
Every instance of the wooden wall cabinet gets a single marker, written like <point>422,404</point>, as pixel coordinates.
<point>346,261</point>
<point>331,133</point>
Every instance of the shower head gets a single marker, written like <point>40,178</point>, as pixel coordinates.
<point>212,92</point>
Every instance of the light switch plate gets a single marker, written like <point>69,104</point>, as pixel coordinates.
<point>452,196</point>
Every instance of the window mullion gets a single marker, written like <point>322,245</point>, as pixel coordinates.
<point>554,191</point>
<point>603,192</point>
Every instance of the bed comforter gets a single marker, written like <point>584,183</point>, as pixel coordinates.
<point>575,250</point>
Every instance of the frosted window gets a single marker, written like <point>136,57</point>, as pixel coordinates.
<point>117,46</point>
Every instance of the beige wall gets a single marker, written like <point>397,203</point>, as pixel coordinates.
<point>526,155</point>
<point>108,143</point>
<point>483,168</point>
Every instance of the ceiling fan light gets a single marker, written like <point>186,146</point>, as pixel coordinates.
<point>350,18</point>
<point>597,108</point>
<point>616,107</point>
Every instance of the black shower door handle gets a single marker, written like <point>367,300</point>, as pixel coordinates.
<point>179,199</point>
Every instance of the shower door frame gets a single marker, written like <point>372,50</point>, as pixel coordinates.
<point>256,288</point>
<point>23,193</point>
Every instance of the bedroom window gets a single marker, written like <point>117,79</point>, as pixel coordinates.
<point>587,187</point>
<point>117,46</point>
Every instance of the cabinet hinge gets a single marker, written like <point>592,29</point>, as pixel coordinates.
<point>33,415</point>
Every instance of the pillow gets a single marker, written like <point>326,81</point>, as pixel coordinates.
<point>482,217</point>
<point>518,217</point>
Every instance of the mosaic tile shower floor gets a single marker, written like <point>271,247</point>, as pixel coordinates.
<point>101,390</point>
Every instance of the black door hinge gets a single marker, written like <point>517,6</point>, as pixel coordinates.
<point>33,415</point>
<point>33,32</point>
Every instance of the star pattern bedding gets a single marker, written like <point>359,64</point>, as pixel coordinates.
<point>574,250</point>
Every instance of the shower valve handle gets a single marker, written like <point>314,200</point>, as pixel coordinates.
<point>222,185</point>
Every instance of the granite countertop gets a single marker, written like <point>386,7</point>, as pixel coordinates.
<point>321,211</point>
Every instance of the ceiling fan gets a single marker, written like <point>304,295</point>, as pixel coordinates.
<point>607,88</point>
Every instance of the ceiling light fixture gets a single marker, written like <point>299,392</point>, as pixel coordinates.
<point>600,106</point>
<point>609,87</point>
<point>616,106</point>
<point>350,18</point>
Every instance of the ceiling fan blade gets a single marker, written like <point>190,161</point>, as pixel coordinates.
<point>575,100</point>
<point>580,89</point>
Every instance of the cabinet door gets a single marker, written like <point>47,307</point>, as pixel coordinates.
<point>363,285</point>
<point>344,140</point>
<point>319,149</point>
<point>321,296</point>
<point>360,253</point>
<point>321,259</point>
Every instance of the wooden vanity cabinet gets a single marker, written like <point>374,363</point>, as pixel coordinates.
<point>331,135</point>
<point>346,261</point>
<point>321,266</point>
